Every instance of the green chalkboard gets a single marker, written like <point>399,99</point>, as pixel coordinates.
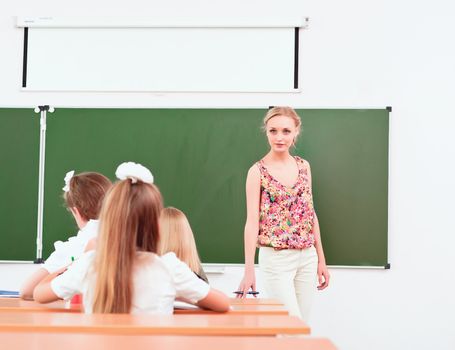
<point>200,158</point>
<point>19,157</point>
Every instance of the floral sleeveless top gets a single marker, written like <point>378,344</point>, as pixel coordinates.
<point>286,213</point>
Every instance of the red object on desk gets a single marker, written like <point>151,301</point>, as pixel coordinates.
<point>76,300</point>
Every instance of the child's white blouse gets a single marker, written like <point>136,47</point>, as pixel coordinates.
<point>157,282</point>
<point>73,247</point>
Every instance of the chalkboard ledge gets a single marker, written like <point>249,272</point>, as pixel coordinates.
<point>362,267</point>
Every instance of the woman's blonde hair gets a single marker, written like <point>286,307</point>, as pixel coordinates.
<point>284,111</point>
<point>176,236</point>
<point>128,223</point>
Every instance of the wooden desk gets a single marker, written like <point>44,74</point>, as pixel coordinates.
<point>19,305</point>
<point>237,308</point>
<point>243,307</point>
<point>212,324</point>
<point>49,341</point>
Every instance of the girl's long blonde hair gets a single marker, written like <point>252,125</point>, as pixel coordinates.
<point>128,223</point>
<point>176,236</point>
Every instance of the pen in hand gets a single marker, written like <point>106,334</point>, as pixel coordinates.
<point>252,292</point>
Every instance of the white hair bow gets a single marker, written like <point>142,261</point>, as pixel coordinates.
<point>69,175</point>
<point>134,171</point>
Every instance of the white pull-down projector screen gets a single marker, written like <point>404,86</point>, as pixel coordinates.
<point>69,55</point>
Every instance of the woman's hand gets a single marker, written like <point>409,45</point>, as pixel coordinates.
<point>323,276</point>
<point>248,282</point>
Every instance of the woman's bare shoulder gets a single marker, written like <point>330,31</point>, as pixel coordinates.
<point>304,163</point>
<point>254,170</point>
<point>253,177</point>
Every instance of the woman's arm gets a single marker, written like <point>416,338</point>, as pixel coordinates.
<point>323,272</point>
<point>253,185</point>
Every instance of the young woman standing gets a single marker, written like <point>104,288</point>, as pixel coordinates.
<point>281,220</point>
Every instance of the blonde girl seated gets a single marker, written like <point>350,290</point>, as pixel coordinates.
<point>83,194</point>
<point>176,236</point>
<point>124,274</point>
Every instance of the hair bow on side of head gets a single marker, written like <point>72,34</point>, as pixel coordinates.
<point>134,171</point>
<point>69,175</point>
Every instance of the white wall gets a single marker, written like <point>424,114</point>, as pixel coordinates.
<point>356,54</point>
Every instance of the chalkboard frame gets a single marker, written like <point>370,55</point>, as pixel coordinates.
<point>326,189</point>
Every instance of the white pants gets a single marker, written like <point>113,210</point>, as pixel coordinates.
<point>290,276</point>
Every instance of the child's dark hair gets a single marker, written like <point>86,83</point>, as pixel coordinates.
<point>86,193</point>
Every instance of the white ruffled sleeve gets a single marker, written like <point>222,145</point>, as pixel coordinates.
<point>72,248</point>
<point>188,286</point>
<point>71,282</point>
